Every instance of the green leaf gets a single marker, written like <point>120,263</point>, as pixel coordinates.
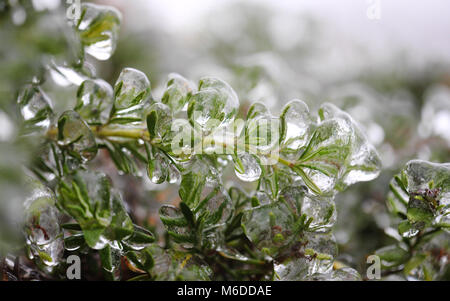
<point>159,120</point>
<point>140,238</point>
<point>74,227</point>
<point>392,255</point>
<point>92,235</point>
<point>311,185</point>
<point>121,226</point>
<point>419,210</point>
<point>152,119</point>
<point>74,242</point>
<point>413,263</point>
<point>188,214</point>
<point>143,259</point>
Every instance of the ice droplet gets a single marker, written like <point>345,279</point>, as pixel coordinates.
<point>42,224</point>
<point>64,75</point>
<point>297,124</point>
<point>343,274</point>
<point>248,168</point>
<point>94,101</point>
<point>364,163</point>
<point>99,29</point>
<point>36,108</point>
<point>257,109</point>
<point>178,91</point>
<point>174,175</point>
<point>215,104</point>
<point>157,168</point>
<point>74,133</point>
<point>131,88</point>
<point>162,120</point>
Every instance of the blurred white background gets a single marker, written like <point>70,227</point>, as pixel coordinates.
<point>422,27</point>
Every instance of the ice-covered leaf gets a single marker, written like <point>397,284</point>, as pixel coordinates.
<point>174,175</point>
<point>94,101</point>
<point>132,94</point>
<point>321,210</point>
<point>66,75</point>
<point>131,88</point>
<point>247,167</point>
<point>215,104</point>
<point>297,125</point>
<point>86,197</point>
<point>141,261</point>
<point>363,162</point>
<point>159,120</point>
<point>269,227</point>
<point>312,254</point>
<point>398,196</point>
<point>421,192</point>
<point>158,168</point>
<point>121,226</point>
<point>98,28</point>
<point>257,109</point>
<point>202,191</point>
<point>76,136</point>
<point>176,224</point>
<point>42,228</point>
<point>178,92</point>
<point>408,229</point>
<point>140,239</point>
<point>35,108</point>
<point>110,259</point>
<point>170,265</point>
<point>338,154</point>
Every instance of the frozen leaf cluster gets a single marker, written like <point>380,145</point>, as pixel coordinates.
<point>419,201</point>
